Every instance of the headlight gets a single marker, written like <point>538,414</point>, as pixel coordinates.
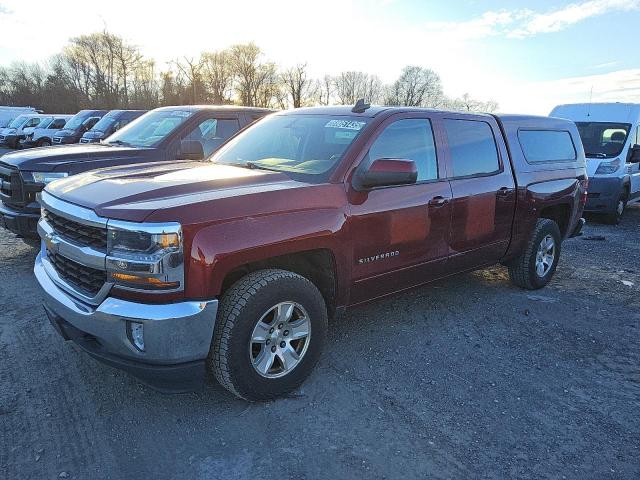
<point>46,177</point>
<point>11,131</point>
<point>145,257</point>
<point>606,168</point>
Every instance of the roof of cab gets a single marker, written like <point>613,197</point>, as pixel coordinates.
<point>230,108</point>
<point>370,112</point>
<point>599,112</point>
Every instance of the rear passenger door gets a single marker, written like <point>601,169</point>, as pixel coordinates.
<point>483,191</point>
<point>400,233</point>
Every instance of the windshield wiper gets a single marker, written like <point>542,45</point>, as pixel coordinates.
<point>255,166</point>
<point>595,155</point>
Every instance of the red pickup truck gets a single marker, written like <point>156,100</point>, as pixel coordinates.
<point>173,269</point>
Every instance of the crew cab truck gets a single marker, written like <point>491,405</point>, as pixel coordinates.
<point>109,124</point>
<point>167,133</point>
<point>233,266</point>
<point>610,134</point>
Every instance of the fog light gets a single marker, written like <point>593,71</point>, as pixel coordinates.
<point>136,335</point>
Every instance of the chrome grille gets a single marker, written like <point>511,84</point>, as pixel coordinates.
<point>77,232</point>
<point>86,279</point>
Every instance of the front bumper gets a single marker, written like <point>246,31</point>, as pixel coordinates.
<point>9,140</point>
<point>603,195</point>
<point>64,140</point>
<point>23,224</point>
<point>177,336</point>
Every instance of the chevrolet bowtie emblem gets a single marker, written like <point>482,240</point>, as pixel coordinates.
<point>52,242</point>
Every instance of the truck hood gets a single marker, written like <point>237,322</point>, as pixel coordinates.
<point>133,192</point>
<point>48,159</point>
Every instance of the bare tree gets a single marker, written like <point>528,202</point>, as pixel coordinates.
<point>298,86</point>
<point>324,90</point>
<point>255,79</point>
<point>466,103</point>
<point>217,76</point>
<point>351,86</point>
<point>191,69</point>
<point>416,87</point>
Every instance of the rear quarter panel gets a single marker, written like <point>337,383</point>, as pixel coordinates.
<point>543,184</point>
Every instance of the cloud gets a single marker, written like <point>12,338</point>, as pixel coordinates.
<point>541,97</point>
<point>522,23</point>
<point>4,10</point>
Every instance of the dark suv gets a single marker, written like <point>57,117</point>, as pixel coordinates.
<point>168,133</point>
<point>81,122</point>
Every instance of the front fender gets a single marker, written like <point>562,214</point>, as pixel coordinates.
<point>220,248</point>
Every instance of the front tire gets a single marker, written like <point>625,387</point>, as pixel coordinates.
<point>43,143</point>
<point>535,266</point>
<point>615,217</point>
<point>270,331</point>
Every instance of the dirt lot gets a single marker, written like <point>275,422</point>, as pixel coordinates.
<point>468,378</point>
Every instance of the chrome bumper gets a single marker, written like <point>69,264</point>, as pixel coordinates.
<point>174,333</point>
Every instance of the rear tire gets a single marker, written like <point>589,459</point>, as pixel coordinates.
<point>535,266</point>
<point>43,143</point>
<point>253,303</point>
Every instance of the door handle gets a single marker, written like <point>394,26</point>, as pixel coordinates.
<point>503,192</point>
<point>438,201</point>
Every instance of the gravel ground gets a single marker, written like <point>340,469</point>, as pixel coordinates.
<point>467,378</point>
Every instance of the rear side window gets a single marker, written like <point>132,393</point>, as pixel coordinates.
<point>410,139</point>
<point>472,147</point>
<point>547,145</point>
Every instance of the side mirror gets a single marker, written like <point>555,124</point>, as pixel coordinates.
<point>387,172</point>
<point>634,154</point>
<point>190,150</point>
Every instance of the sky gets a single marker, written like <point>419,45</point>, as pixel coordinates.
<point>527,56</point>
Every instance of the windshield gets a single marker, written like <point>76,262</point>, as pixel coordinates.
<point>307,146</point>
<point>76,121</point>
<point>603,139</point>
<point>150,129</point>
<point>18,122</point>
<point>105,122</point>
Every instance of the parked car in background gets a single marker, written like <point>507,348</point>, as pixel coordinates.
<point>109,124</point>
<point>82,122</point>
<point>7,114</point>
<point>41,135</point>
<point>15,131</point>
<point>610,133</point>
<point>168,133</point>
<point>232,266</point>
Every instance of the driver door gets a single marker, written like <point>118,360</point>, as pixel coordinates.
<point>400,233</point>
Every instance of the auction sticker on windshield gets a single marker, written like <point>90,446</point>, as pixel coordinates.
<point>347,124</point>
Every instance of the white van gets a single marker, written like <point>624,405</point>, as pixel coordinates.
<point>7,114</point>
<point>610,134</point>
<point>12,133</point>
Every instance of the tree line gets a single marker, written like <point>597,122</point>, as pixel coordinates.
<point>102,70</point>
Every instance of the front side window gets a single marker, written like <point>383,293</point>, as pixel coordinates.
<point>57,124</point>
<point>213,132</point>
<point>472,147</point>
<point>410,139</point>
<point>150,129</point>
<point>308,147</point>
<point>603,139</point>
<point>546,145</point>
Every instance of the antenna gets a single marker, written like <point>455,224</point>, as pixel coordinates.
<point>360,106</point>
<point>590,101</point>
